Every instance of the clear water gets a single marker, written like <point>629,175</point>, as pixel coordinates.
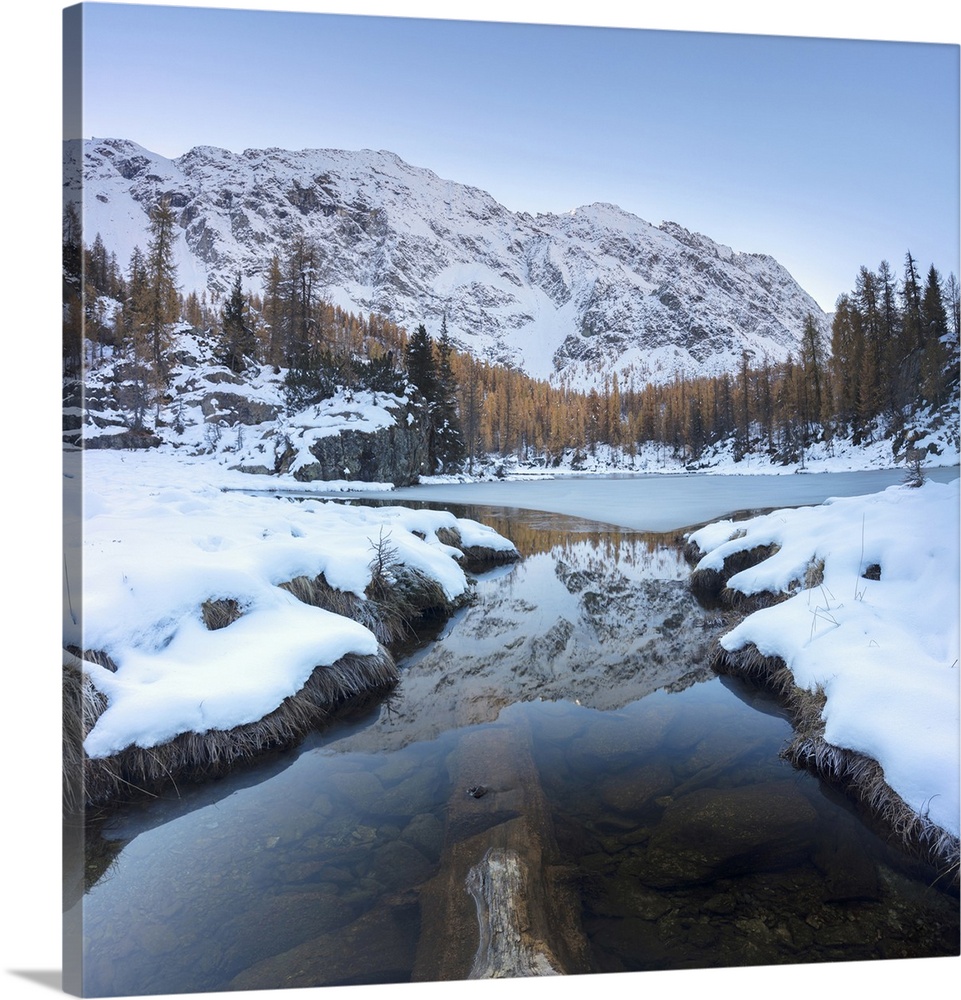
<point>574,692</point>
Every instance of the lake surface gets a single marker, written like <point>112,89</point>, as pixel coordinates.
<point>567,716</point>
<point>662,503</point>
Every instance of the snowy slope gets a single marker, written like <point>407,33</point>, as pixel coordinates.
<point>579,295</point>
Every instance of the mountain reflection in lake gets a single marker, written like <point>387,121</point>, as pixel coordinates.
<point>567,717</point>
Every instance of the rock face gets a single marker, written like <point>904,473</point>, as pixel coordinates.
<point>581,294</point>
<point>396,454</point>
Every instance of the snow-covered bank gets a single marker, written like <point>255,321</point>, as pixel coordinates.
<point>939,445</point>
<point>872,622</point>
<point>160,540</point>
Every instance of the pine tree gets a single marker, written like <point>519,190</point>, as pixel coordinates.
<point>161,305</point>
<point>845,362</point>
<point>133,311</point>
<point>193,311</point>
<point>613,414</point>
<point>73,291</point>
<point>813,367</point>
<point>891,336</point>
<point>953,305</point>
<point>742,438</point>
<point>934,325</point>
<point>237,342</point>
<point>300,296</point>
<point>471,402</point>
<point>421,367</point>
<point>310,375</point>
<point>274,311</point>
<point>450,446</point>
<point>871,370</point>
<point>911,294</point>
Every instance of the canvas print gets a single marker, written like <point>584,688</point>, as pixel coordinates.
<point>511,500</point>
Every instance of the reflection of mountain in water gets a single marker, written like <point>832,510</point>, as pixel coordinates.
<point>602,622</point>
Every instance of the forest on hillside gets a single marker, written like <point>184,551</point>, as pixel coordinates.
<point>891,354</point>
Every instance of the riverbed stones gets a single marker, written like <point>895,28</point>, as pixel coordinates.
<point>289,917</point>
<point>631,792</point>
<point>622,895</point>
<point>619,944</point>
<point>405,797</point>
<point>377,947</point>
<point>610,744</point>
<point>849,874</point>
<point>709,833</point>
<point>398,864</point>
<point>361,788</point>
<point>425,832</point>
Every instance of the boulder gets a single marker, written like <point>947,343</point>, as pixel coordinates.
<point>713,833</point>
<point>396,454</point>
<point>231,408</point>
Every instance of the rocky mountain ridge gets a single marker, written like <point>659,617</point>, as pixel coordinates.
<point>572,297</point>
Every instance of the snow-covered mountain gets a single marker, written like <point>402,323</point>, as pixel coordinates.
<point>578,295</point>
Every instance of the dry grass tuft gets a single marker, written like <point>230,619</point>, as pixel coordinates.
<point>814,574</point>
<point>83,704</point>
<point>198,756</point>
<point>220,613</point>
<point>478,559</point>
<point>707,584</point>
<point>710,585</point>
<point>94,656</point>
<point>746,604</point>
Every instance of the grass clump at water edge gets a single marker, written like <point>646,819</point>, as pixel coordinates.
<point>858,776</point>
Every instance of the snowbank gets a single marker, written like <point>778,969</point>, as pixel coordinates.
<point>159,540</point>
<point>885,650</point>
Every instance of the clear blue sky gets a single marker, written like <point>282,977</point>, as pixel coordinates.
<point>826,153</point>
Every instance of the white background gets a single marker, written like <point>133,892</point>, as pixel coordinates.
<point>29,425</point>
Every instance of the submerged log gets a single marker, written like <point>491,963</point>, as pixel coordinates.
<point>501,904</point>
<point>501,888</point>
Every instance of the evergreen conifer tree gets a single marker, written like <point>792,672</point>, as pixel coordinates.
<point>161,304</point>
<point>450,445</point>
<point>934,324</point>
<point>237,334</point>
<point>73,291</point>
<point>421,367</point>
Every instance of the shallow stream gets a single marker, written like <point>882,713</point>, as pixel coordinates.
<point>567,715</point>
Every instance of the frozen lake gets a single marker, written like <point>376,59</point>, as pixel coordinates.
<point>659,503</point>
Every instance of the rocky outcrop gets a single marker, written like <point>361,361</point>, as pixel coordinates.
<point>208,409</point>
<point>395,454</point>
<point>233,408</point>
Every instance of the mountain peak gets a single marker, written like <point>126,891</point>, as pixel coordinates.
<point>574,296</point>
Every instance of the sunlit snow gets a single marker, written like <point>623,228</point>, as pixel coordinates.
<point>160,537</point>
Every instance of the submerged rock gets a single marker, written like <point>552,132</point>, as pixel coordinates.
<point>721,832</point>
